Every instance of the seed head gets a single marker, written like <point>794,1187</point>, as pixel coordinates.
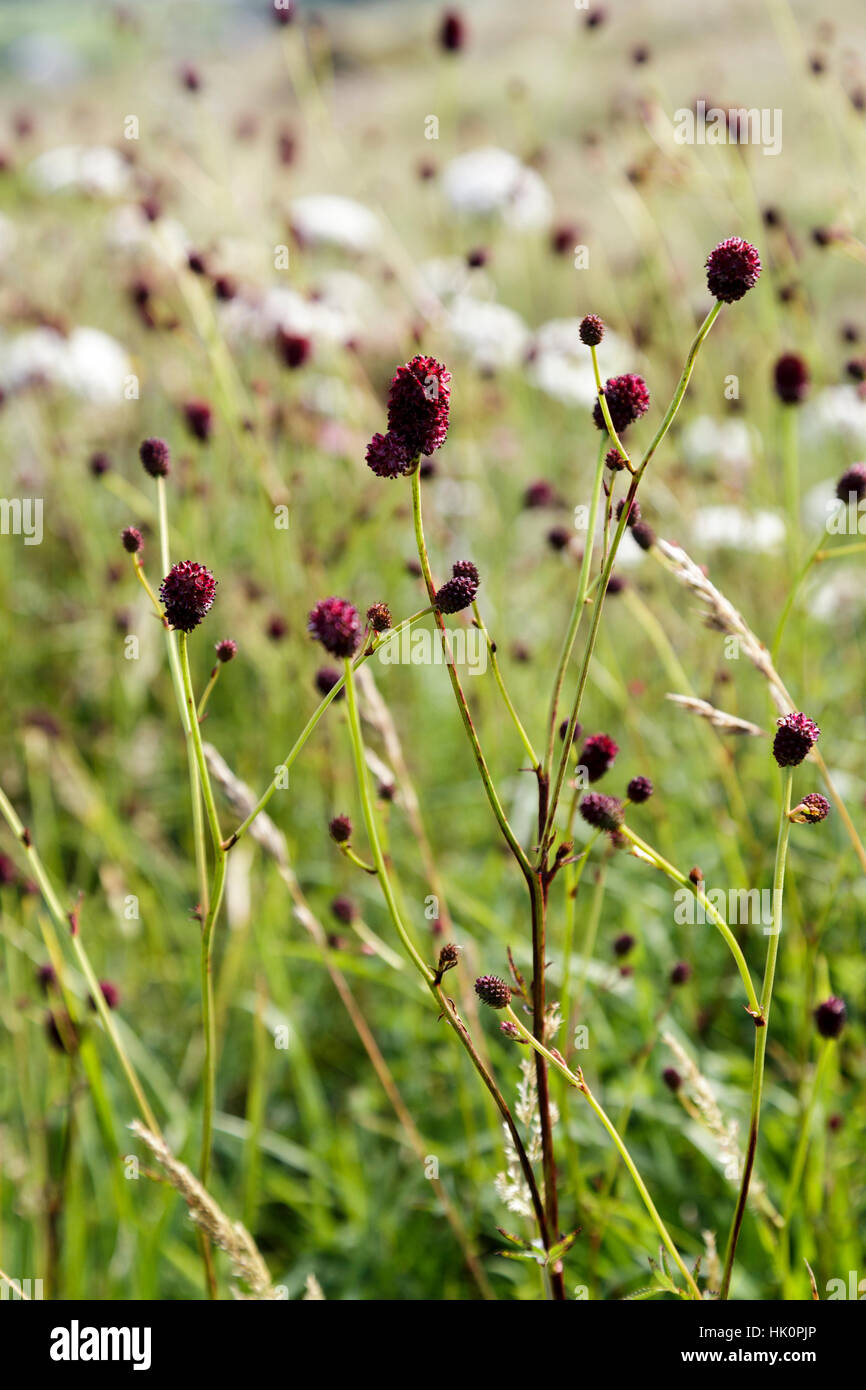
<point>388,456</point>
<point>340,829</point>
<point>449,956</point>
<point>796,734</point>
<point>155,456</point>
<point>492,991</point>
<point>627,400</point>
<point>187,593</point>
<point>464,569</point>
<point>830,1017</point>
<point>418,404</point>
<point>852,480</point>
<point>791,379</point>
<point>379,617</point>
<point>460,590</point>
<point>613,460</point>
<point>597,756</point>
<point>813,808</point>
<point>602,812</point>
<point>335,623</point>
<point>732,269</point>
<point>226,650</point>
<point>696,876</point>
<point>132,540</point>
<point>639,789</point>
<point>591,330</point>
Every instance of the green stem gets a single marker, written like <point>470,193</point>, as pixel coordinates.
<point>524,737</point>
<point>761,1034</point>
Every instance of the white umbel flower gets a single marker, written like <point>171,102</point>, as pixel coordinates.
<point>87,363</point>
<point>491,182</point>
<point>326,219</point>
<point>731,528</point>
<point>491,334</point>
<point>96,170</point>
<point>561,364</point>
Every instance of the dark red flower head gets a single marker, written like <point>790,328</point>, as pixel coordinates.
<point>633,511</point>
<point>326,678</point>
<point>388,456</point>
<point>99,463</point>
<point>591,330</point>
<point>226,650</point>
<point>132,539</point>
<point>492,991</point>
<point>794,737</point>
<point>340,829</point>
<point>627,400</point>
<point>110,993</point>
<point>418,404</point>
<point>601,812</point>
<point>541,493</point>
<point>335,623</point>
<point>791,379</point>
<point>293,349</point>
<point>672,1078</point>
<point>155,456</point>
<point>853,480</point>
<point>283,11</point>
<point>460,590</point>
<point>639,789</point>
<point>187,593</point>
<point>681,972</point>
<point>830,1017</point>
<point>597,756</point>
<point>623,944</point>
<point>199,420</point>
<point>813,808</point>
<point>732,269</point>
<point>613,460</point>
<point>452,32</point>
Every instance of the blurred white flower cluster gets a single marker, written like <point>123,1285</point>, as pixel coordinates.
<point>87,363</point>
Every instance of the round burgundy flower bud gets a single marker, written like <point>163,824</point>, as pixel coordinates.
<point>563,730</point>
<point>326,678</point>
<point>853,480</point>
<point>559,537</point>
<point>464,569</point>
<point>132,540</point>
<point>830,1017</point>
<point>591,330</point>
<point>492,991</point>
<point>224,288</point>
<point>60,1032</point>
<point>639,789</point>
<point>601,812</point>
<point>627,400</point>
<point>344,909</point>
<point>226,650</point>
<point>188,594</point>
<point>46,977</point>
<point>379,617</point>
<point>539,494</point>
<point>99,463</point>
<point>633,511</point>
<point>597,756</point>
<point>623,944</point>
<point>696,876</point>
<point>449,956</point>
<point>388,456</point>
<point>813,808</point>
<point>190,77</point>
<point>795,735</point>
<point>681,972</point>
<point>110,993</point>
<point>452,32</point>
<point>418,404</point>
<point>293,349</point>
<point>456,594</point>
<point>643,535</point>
<point>335,623</point>
<point>155,456</point>
<point>340,829</point>
<point>613,460</point>
<point>732,269</point>
<point>199,420</point>
<point>283,11</point>
<point>791,379</point>
<point>672,1079</point>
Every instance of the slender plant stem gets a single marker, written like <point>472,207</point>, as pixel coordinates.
<point>761,1033</point>
<point>524,737</point>
<point>576,1079</point>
